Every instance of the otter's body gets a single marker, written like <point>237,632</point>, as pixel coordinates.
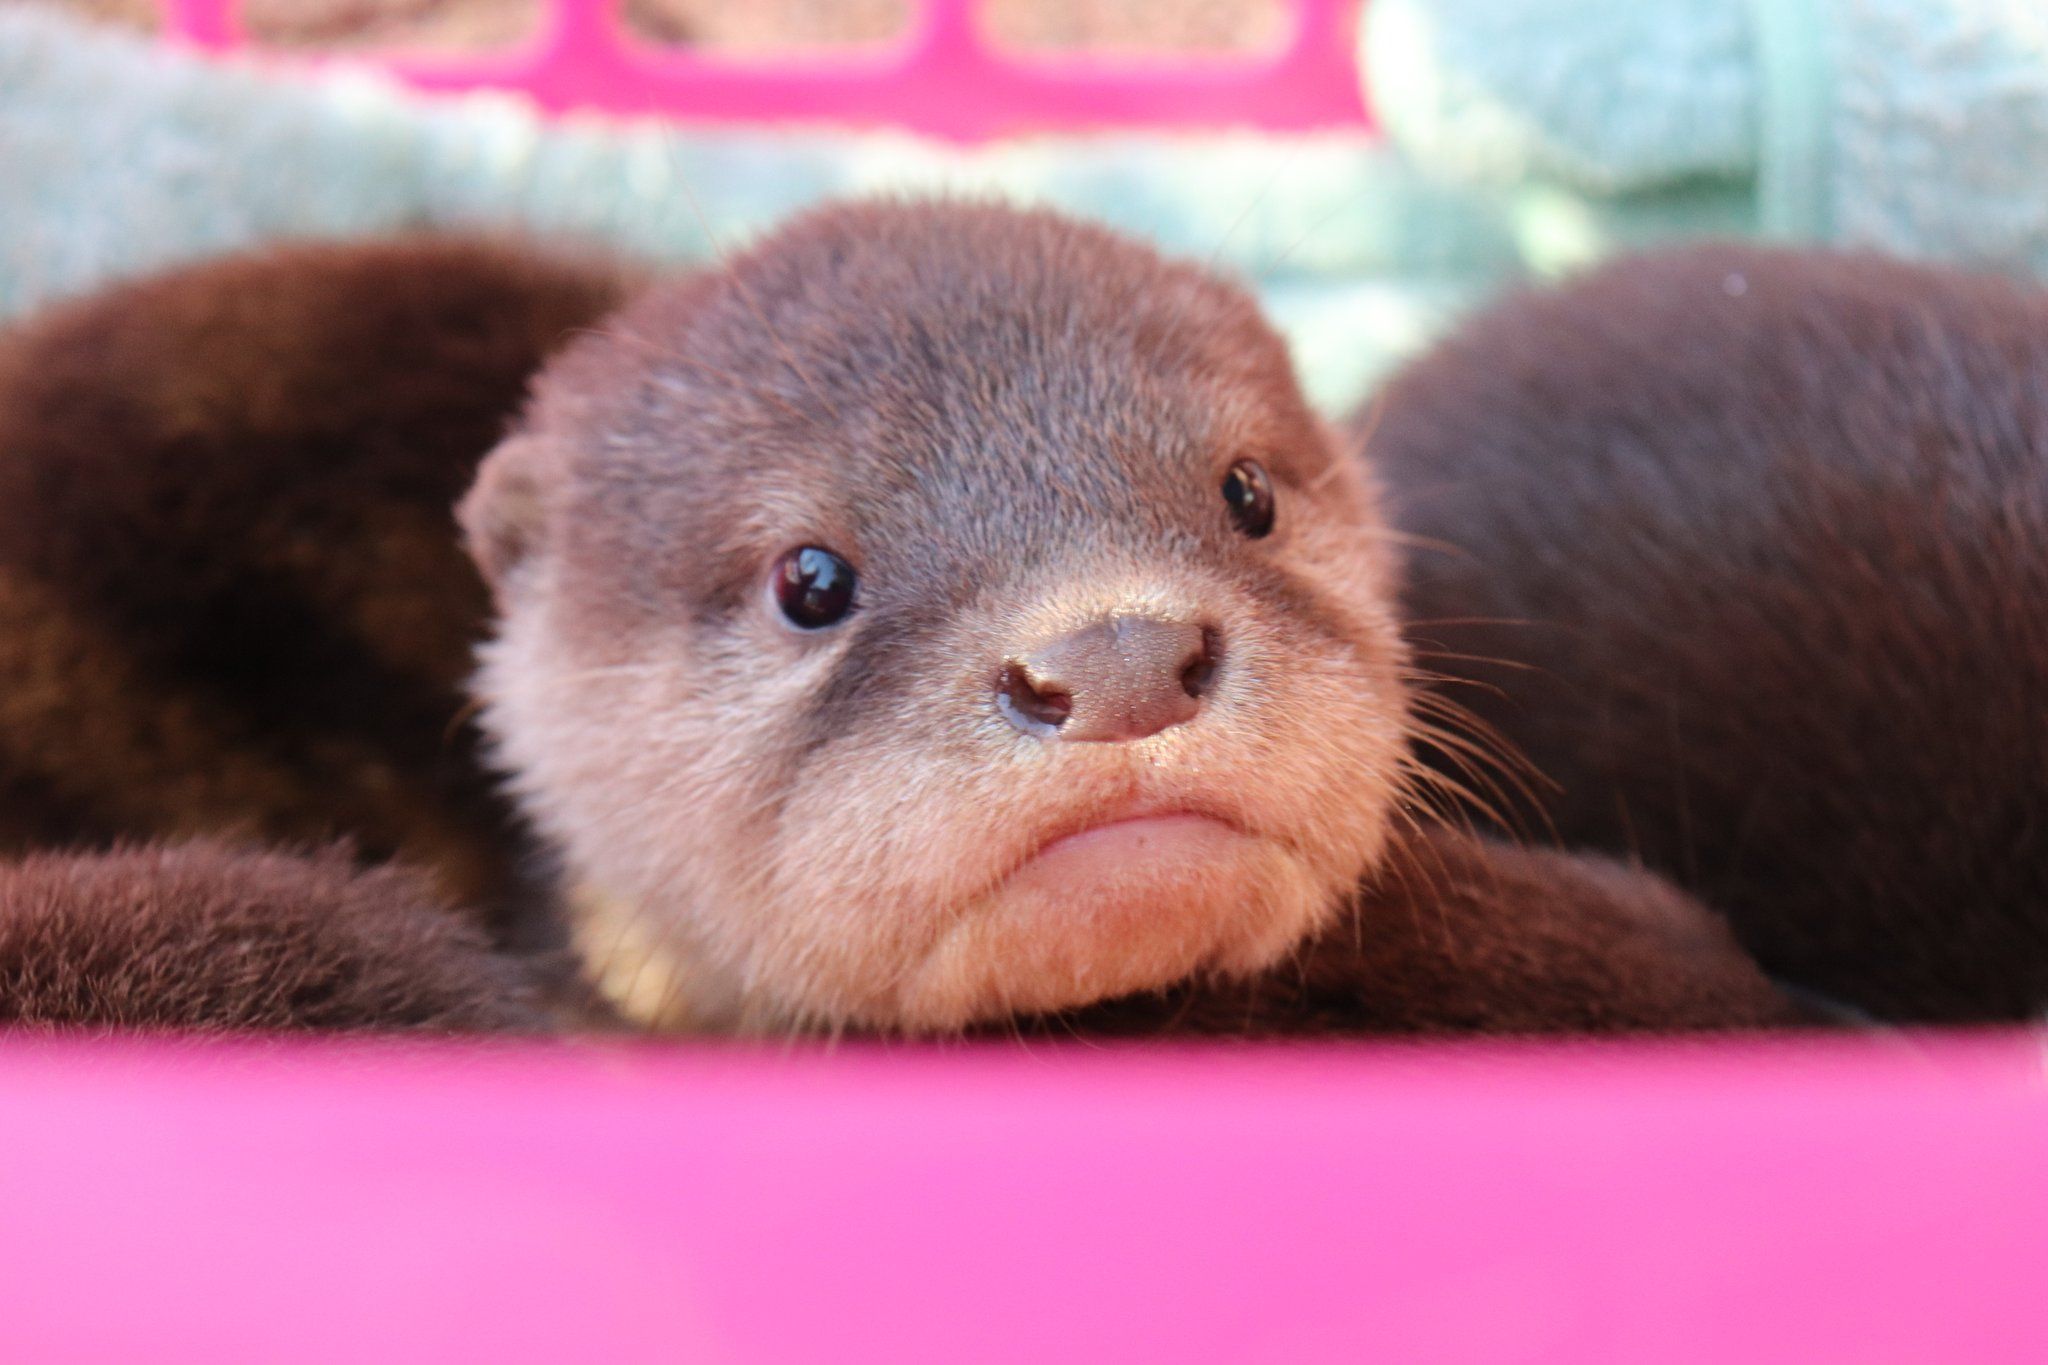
<point>938,616</point>
<point>1762,538</point>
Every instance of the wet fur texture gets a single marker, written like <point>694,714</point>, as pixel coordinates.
<point>1763,538</point>
<point>207,937</point>
<point>232,598</point>
<point>231,601</point>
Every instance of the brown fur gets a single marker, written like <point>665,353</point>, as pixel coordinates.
<point>231,603</point>
<point>205,937</point>
<point>231,598</point>
<point>1765,537</point>
<point>1463,936</point>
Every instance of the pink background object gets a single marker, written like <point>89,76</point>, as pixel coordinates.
<point>1843,1200</point>
<point>944,78</point>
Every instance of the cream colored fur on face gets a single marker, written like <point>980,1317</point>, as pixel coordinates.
<point>869,889</point>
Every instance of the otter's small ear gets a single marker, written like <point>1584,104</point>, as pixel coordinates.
<point>502,514</point>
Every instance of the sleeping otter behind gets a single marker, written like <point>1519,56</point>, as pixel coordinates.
<point>1747,550</point>
<point>232,596</point>
<point>936,615</point>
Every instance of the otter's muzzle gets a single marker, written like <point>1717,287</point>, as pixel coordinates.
<point>1122,678</point>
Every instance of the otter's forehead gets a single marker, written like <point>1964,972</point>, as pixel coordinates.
<point>1022,377</point>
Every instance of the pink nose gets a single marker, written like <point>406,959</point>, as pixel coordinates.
<point>1118,679</point>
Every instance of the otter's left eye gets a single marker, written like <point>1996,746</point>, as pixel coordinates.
<point>813,586</point>
<point>1249,492</point>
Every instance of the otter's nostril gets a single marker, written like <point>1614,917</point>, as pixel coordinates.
<point>1198,675</point>
<point>1040,704</point>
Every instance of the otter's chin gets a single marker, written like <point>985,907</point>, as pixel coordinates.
<point>1130,906</point>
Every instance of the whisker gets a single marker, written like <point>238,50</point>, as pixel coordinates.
<point>1455,657</point>
<point>1375,413</point>
<point>1442,784</point>
<point>1482,733</point>
<point>1469,621</point>
<point>1286,164</point>
<point>1406,858</point>
<point>1308,235</point>
<point>464,714</point>
<point>1473,765</point>
<point>1430,683</point>
<point>611,671</point>
<point>1422,542</point>
<point>1465,738</point>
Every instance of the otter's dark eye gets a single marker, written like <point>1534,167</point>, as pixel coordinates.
<point>813,586</point>
<point>1250,494</point>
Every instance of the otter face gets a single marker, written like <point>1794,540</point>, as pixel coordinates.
<point>941,612</point>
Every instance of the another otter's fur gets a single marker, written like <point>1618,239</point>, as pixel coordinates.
<point>1762,537</point>
<point>232,599</point>
<point>207,937</point>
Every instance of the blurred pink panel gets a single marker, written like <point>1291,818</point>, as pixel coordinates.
<point>946,79</point>
<point>1838,1200</point>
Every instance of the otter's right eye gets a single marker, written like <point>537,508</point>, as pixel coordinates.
<point>1248,492</point>
<point>813,586</point>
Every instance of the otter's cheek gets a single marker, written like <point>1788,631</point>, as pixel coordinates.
<point>1119,909</point>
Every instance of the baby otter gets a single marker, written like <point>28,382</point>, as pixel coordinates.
<point>939,615</point>
<point>1761,539</point>
<point>942,612</point>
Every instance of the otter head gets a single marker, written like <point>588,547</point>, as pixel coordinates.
<point>939,612</point>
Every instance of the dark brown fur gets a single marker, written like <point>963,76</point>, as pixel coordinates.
<point>1765,537</point>
<point>205,937</point>
<point>231,597</point>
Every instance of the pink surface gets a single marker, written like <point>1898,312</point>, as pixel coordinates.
<point>945,79</point>
<point>1842,1201</point>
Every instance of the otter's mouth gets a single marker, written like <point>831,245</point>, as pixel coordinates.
<point>1110,897</point>
<point>1106,846</point>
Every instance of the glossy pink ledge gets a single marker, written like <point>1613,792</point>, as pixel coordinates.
<point>1838,1200</point>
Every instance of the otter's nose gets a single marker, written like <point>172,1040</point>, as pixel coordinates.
<point>1123,678</point>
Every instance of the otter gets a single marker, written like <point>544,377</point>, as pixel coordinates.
<point>938,616</point>
<point>941,613</point>
<point>232,597</point>
<point>1746,549</point>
